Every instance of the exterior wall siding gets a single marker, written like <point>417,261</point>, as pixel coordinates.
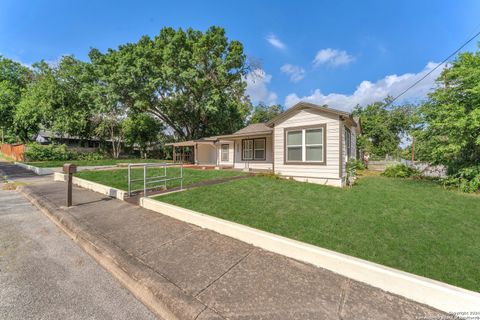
<point>266,164</point>
<point>325,174</point>
<point>206,154</point>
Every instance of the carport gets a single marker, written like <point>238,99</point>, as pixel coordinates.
<point>201,151</point>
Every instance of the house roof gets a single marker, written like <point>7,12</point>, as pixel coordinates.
<point>189,143</point>
<point>253,128</point>
<point>250,130</point>
<point>307,105</point>
<point>267,128</point>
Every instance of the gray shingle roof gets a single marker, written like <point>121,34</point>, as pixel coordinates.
<point>254,127</point>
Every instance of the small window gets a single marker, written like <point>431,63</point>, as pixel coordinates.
<point>314,145</point>
<point>254,149</point>
<point>348,143</point>
<point>247,149</point>
<point>225,151</point>
<point>259,149</point>
<point>294,145</point>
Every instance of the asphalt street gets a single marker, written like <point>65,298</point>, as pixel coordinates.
<point>44,275</point>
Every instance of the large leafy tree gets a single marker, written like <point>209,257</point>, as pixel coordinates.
<point>142,130</point>
<point>384,126</point>
<point>112,95</point>
<point>14,79</point>
<point>35,108</point>
<point>190,80</point>
<point>451,117</point>
<point>263,113</point>
<point>58,99</point>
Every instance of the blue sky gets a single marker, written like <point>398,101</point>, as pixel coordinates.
<point>335,52</point>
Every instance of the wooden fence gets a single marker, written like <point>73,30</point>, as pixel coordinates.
<point>14,151</point>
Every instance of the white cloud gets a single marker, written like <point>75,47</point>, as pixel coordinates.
<point>368,92</point>
<point>296,73</point>
<point>257,90</point>
<point>332,57</point>
<point>274,41</point>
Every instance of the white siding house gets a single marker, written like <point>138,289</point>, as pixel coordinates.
<point>307,142</point>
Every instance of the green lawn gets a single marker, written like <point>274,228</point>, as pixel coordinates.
<point>412,225</point>
<point>103,162</point>
<point>118,178</point>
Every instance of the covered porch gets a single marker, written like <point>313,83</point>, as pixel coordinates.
<point>198,152</point>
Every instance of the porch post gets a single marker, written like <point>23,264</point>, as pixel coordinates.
<point>215,144</point>
<point>195,150</point>
<point>174,155</point>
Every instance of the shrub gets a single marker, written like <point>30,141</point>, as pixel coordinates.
<point>352,167</point>
<point>355,164</point>
<point>466,179</point>
<point>400,171</point>
<point>39,152</point>
<point>269,175</point>
<point>91,156</point>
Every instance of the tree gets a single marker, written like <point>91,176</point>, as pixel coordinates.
<point>191,81</point>
<point>263,113</point>
<point>111,98</point>
<point>143,130</point>
<point>74,82</point>
<point>14,79</point>
<point>35,108</point>
<point>58,99</point>
<point>383,127</point>
<point>451,116</point>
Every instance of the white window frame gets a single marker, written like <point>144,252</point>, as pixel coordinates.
<point>253,149</point>
<point>244,149</point>
<point>304,145</point>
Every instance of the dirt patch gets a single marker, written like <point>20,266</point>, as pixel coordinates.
<point>12,185</point>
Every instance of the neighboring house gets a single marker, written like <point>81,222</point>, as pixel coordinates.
<point>48,137</point>
<point>307,142</point>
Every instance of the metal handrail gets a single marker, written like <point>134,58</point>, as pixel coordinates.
<point>146,179</point>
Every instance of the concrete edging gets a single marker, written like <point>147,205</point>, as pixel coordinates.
<point>97,187</point>
<point>37,170</point>
<point>433,293</point>
<point>160,295</point>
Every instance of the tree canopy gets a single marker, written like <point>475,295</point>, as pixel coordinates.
<point>190,80</point>
<point>383,126</point>
<point>450,131</point>
<point>263,113</point>
<point>14,79</point>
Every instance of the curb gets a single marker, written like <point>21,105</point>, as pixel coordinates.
<point>439,295</point>
<point>97,187</point>
<point>161,296</point>
<point>39,171</point>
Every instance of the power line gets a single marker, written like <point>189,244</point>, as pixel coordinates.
<point>430,72</point>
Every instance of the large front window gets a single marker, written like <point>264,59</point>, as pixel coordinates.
<point>253,149</point>
<point>305,145</point>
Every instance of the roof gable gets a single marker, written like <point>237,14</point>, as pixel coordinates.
<point>305,105</point>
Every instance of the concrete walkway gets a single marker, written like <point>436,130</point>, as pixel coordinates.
<point>200,274</point>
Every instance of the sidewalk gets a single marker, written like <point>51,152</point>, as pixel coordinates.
<point>186,272</point>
